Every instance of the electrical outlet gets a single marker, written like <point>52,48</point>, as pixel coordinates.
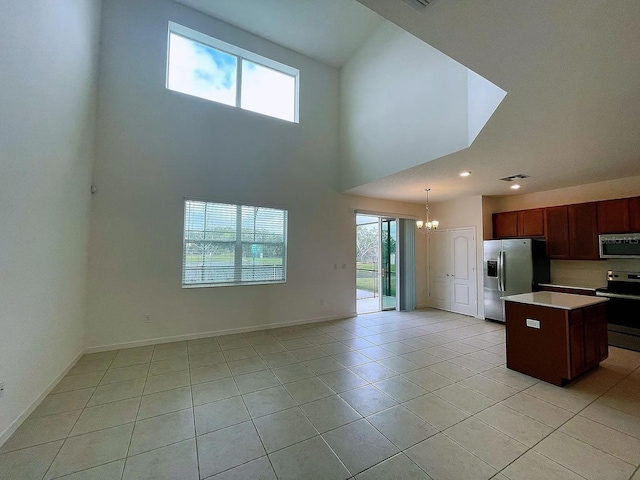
<point>1,389</point>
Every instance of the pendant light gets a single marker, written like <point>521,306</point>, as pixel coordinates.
<point>429,225</point>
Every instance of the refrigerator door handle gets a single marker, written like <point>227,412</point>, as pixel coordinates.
<point>501,279</point>
<point>500,271</point>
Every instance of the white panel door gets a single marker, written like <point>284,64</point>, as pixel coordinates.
<point>440,268</point>
<point>452,271</point>
<point>463,277</point>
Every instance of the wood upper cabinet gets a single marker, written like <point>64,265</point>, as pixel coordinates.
<point>557,228</point>
<point>583,231</point>
<point>523,223</point>
<point>571,231</point>
<point>531,223</point>
<point>505,225</point>
<point>613,216</point>
<point>634,214</point>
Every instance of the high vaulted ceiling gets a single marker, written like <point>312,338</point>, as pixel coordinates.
<point>327,30</point>
<point>571,70</point>
<point>571,116</point>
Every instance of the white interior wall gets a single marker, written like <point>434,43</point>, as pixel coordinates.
<point>154,147</point>
<point>48,77</point>
<point>464,212</point>
<point>484,98</point>
<point>403,103</point>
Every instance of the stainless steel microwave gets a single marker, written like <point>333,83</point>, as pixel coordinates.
<point>620,245</point>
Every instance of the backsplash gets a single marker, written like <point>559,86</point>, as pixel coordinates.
<point>578,273</point>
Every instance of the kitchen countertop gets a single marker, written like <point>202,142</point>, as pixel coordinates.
<point>564,301</point>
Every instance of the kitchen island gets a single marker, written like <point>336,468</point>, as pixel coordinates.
<point>555,337</point>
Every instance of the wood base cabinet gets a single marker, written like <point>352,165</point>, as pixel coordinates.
<point>553,344</point>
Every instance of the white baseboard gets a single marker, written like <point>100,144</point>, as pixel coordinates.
<point>4,436</point>
<point>213,333</point>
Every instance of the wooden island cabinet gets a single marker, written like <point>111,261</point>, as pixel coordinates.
<point>555,337</point>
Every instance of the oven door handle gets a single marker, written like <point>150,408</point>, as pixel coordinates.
<point>617,295</point>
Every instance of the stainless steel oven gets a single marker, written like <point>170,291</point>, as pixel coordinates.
<point>623,308</point>
<point>619,245</point>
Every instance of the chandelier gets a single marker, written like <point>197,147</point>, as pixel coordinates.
<point>430,225</point>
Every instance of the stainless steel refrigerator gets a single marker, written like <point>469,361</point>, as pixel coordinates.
<point>512,267</point>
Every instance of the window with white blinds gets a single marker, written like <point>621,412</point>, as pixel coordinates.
<point>233,245</point>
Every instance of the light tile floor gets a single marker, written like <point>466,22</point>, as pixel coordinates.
<point>390,395</point>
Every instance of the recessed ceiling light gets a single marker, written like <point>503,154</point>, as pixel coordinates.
<point>465,174</point>
<point>515,187</point>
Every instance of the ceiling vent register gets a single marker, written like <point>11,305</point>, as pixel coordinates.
<point>513,178</point>
<point>418,5</point>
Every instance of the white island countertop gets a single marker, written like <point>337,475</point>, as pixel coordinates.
<point>564,301</point>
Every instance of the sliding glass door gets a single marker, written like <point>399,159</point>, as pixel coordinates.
<point>388,274</point>
<point>376,265</point>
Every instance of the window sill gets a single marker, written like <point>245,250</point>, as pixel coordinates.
<point>209,285</point>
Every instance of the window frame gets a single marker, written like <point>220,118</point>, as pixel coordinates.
<point>240,54</point>
<point>238,244</point>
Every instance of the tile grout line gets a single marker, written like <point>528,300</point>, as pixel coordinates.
<point>338,394</point>
<point>499,402</point>
<point>302,362</point>
<point>77,419</point>
<point>553,431</point>
<point>400,451</point>
<point>135,421</point>
<point>316,429</point>
<point>467,418</point>
<point>193,410</point>
<point>564,423</point>
<point>252,423</point>
<point>296,406</point>
<point>373,360</point>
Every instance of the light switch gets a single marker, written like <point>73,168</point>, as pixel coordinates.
<point>533,323</point>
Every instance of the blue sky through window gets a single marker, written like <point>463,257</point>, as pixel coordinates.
<point>202,71</point>
<point>208,68</point>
